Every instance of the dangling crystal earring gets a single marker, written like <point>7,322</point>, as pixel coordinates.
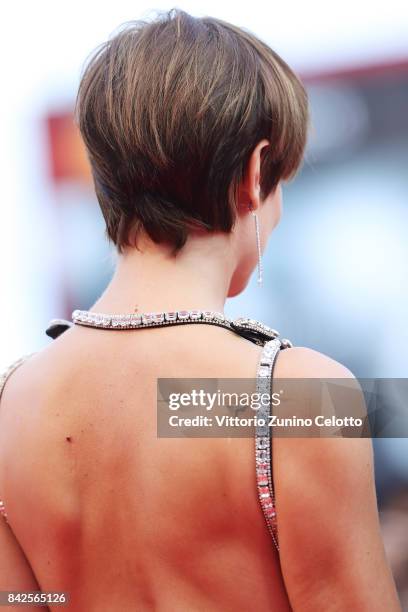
<point>258,246</point>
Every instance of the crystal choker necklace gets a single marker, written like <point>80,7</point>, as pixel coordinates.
<point>149,319</point>
<point>249,328</point>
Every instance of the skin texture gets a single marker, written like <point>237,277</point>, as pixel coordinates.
<point>122,520</point>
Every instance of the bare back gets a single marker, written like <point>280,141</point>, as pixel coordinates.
<point>114,515</point>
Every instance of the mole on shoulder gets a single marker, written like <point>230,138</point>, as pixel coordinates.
<point>68,439</point>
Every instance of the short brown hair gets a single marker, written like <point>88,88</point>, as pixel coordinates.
<point>170,111</point>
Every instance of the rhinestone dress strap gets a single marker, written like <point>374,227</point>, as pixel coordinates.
<point>4,376</point>
<point>263,457</point>
<point>3,511</point>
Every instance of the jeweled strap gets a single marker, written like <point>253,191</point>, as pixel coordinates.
<point>3,512</point>
<point>263,456</point>
<point>4,376</point>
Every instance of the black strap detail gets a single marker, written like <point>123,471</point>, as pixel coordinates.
<point>56,327</point>
<point>253,336</point>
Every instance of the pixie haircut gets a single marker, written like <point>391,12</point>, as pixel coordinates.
<point>170,111</point>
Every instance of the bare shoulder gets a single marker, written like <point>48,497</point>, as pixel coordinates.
<point>317,458</point>
<point>34,376</point>
<point>32,413</point>
<point>301,362</point>
<point>327,507</point>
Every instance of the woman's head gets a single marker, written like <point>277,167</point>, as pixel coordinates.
<point>173,112</point>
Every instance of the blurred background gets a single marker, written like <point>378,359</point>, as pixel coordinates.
<point>335,268</point>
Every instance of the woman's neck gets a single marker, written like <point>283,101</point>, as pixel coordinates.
<point>152,279</point>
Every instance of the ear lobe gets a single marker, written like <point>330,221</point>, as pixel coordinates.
<point>249,190</point>
<point>244,207</point>
<point>242,198</point>
<point>254,173</point>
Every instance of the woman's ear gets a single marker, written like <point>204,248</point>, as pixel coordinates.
<point>249,191</point>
